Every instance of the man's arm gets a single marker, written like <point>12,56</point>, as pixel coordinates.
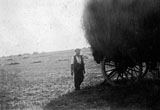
<point>83,64</point>
<point>72,66</point>
<point>72,69</point>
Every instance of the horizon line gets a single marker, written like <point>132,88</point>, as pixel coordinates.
<point>39,52</point>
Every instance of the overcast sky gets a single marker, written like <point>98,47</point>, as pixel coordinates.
<point>40,25</point>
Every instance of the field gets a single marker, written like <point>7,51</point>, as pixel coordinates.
<point>42,81</point>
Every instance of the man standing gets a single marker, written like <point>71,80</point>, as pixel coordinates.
<point>77,68</point>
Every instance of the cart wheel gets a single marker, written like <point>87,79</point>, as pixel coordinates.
<point>122,76</point>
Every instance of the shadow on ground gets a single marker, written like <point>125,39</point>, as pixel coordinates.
<point>144,95</point>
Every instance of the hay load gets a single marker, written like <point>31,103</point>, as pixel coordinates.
<point>123,28</point>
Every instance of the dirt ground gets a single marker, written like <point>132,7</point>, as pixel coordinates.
<point>42,81</point>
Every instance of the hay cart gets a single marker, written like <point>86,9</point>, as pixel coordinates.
<point>124,36</point>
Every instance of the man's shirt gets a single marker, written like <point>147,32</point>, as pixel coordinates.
<point>78,58</point>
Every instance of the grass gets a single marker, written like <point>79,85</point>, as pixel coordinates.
<point>33,94</point>
<point>49,86</point>
<point>10,86</point>
<point>58,94</point>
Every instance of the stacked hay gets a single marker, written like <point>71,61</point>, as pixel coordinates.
<point>123,28</point>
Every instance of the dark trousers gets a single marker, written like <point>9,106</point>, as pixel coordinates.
<point>78,78</point>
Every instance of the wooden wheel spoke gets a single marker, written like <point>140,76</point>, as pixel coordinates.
<point>136,72</point>
<point>108,64</point>
<point>118,77</point>
<point>130,71</point>
<point>109,70</point>
<point>126,75</point>
<point>113,73</point>
<point>130,74</point>
<point>122,75</point>
<point>136,69</point>
<point>137,66</point>
<point>133,69</point>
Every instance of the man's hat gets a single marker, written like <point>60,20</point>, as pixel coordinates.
<point>77,50</point>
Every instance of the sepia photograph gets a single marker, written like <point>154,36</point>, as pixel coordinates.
<point>79,54</point>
